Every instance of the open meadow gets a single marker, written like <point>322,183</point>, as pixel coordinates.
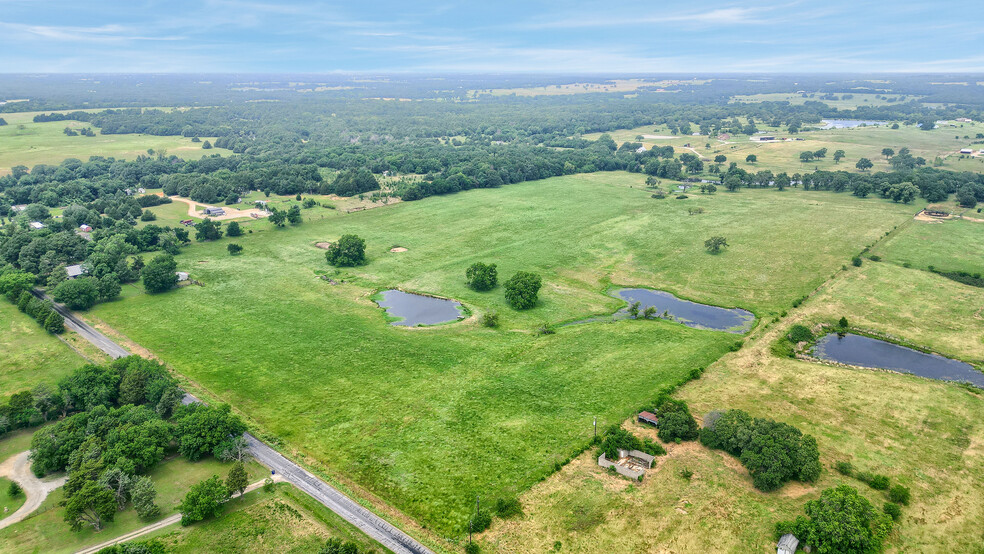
<point>948,245</point>
<point>921,433</point>
<point>427,418</point>
<point>24,142</point>
<point>28,354</point>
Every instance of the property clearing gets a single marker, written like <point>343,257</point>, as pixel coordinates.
<point>230,213</point>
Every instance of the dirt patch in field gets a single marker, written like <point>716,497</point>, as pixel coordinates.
<point>921,216</point>
<point>398,249</point>
<point>323,245</point>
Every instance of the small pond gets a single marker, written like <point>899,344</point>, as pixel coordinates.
<point>847,123</point>
<point>417,309</point>
<point>691,314</point>
<point>868,352</point>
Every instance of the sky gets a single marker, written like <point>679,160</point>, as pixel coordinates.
<point>556,36</point>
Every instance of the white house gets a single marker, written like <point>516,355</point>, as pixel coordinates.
<point>37,225</point>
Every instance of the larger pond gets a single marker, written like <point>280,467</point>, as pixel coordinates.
<point>691,314</point>
<point>867,352</point>
<point>417,309</point>
<point>847,123</point>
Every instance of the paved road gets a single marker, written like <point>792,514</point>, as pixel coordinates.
<point>86,331</point>
<point>371,524</point>
<point>18,468</point>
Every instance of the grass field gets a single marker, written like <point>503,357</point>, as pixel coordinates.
<point>921,433</point>
<point>951,245</point>
<point>46,530</point>
<point>29,354</point>
<point>857,143</point>
<point>9,504</point>
<point>23,142</point>
<point>425,419</point>
<point>285,520</point>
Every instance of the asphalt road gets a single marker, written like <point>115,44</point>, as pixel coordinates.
<point>371,524</point>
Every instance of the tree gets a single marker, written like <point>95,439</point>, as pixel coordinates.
<point>14,490</point>
<point>807,156</point>
<point>234,248</point>
<point>294,215</point>
<point>237,480</point>
<point>522,290</point>
<point>277,217</point>
<point>206,145</point>
<point>203,501</point>
<point>54,323</point>
<point>78,294</point>
<point>715,244</point>
<point>159,274</point>
<point>118,482</point>
<point>675,421</point>
<point>353,182</point>
<point>147,215</point>
<point>720,159</point>
<point>864,164</point>
<point>143,494</point>
<point>966,197</point>
<point>234,449</point>
<point>751,158</point>
<point>350,250</point>
<point>109,286</point>
<point>732,183</point>
<point>888,153</point>
<point>841,520</point>
<point>482,276</point>
<point>839,155</point>
<point>820,154</point>
<point>928,123</point>
<point>207,229</point>
<point>233,229</point>
<point>92,504</point>
<point>14,282</point>
<point>843,323</point>
<point>710,189</point>
<point>205,430</point>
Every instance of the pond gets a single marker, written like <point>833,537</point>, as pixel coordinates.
<point>868,352</point>
<point>847,123</point>
<point>418,309</point>
<point>691,314</point>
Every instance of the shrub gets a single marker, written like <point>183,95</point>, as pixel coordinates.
<point>893,510</point>
<point>472,548</point>
<point>899,494</point>
<point>874,258</point>
<point>480,522</point>
<point>490,319</point>
<point>508,507</point>
<point>268,485</point>
<point>874,480</point>
<point>543,329</point>
<point>675,421</point>
<point>481,276</point>
<point>55,323</point>
<point>233,229</point>
<point>234,249</point>
<point>844,468</point>
<point>14,490</point>
<point>686,473</point>
<point>800,333</point>
<point>522,290</point>
<point>843,323</point>
<point>856,261</point>
<point>682,197</point>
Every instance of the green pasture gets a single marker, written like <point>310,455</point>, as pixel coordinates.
<point>948,245</point>
<point>427,418</point>
<point>28,354</point>
<point>23,142</point>
<point>9,504</point>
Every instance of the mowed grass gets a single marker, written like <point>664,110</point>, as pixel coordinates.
<point>285,520</point>
<point>428,418</point>
<point>46,531</point>
<point>921,433</point>
<point>9,504</point>
<point>23,142</point>
<point>28,354</point>
<point>949,245</point>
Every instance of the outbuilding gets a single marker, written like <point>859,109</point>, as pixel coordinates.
<point>85,228</point>
<point>214,211</point>
<point>966,150</point>
<point>74,271</point>
<point>182,276</point>
<point>648,417</point>
<point>37,225</point>
<point>787,544</point>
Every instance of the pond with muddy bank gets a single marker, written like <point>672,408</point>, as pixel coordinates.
<point>418,309</point>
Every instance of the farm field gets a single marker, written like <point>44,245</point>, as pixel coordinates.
<point>46,530</point>
<point>374,403</point>
<point>857,143</point>
<point>28,354</point>
<point>285,520</point>
<point>870,418</point>
<point>950,245</point>
<point>23,142</point>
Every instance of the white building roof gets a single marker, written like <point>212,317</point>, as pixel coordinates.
<point>37,225</point>
<point>74,270</point>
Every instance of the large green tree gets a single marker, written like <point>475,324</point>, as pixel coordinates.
<point>481,276</point>
<point>78,294</point>
<point>92,504</point>
<point>159,275</point>
<point>203,501</point>
<point>350,250</point>
<point>841,521</point>
<point>522,290</point>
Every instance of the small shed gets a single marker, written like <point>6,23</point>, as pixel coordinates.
<point>85,228</point>
<point>641,149</point>
<point>787,544</point>
<point>648,417</point>
<point>37,225</point>
<point>74,271</point>
<point>182,276</point>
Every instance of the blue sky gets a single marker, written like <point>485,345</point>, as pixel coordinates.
<point>498,36</point>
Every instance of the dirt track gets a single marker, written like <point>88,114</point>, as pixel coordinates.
<point>230,213</point>
<point>18,468</point>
